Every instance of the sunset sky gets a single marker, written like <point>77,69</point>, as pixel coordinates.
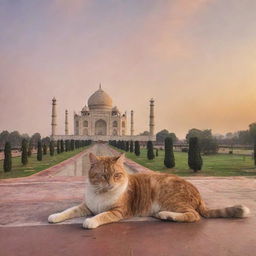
<point>196,58</point>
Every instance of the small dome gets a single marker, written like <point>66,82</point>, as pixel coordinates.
<point>85,109</point>
<point>115,109</point>
<point>100,100</point>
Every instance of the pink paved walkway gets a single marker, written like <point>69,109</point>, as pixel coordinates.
<point>26,203</point>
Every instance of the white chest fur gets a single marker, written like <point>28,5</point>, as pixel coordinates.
<point>102,202</point>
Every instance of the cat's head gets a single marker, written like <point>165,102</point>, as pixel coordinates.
<point>107,173</point>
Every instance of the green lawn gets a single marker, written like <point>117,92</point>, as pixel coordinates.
<point>213,165</point>
<point>34,166</point>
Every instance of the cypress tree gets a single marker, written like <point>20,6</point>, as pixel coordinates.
<point>51,148</point>
<point>131,146</point>
<point>7,157</point>
<point>39,151</point>
<point>66,146</point>
<point>123,145</point>
<point>156,152</point>
<point>24,154</point>
<point>72,146</point>
<point>137,148</point>
<point>30,148</point>
<point>195,161</point>
<point>58,147</point>
<point>45,149</point>
<point>254,152</point>
<point>61,146</point>
<point>150,153</point>
<point>127,146</point>
<point>169,160</point>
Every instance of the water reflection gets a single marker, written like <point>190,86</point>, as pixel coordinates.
<point>79,167</point>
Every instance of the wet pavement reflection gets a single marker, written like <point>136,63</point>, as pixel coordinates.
<point>81,166</point>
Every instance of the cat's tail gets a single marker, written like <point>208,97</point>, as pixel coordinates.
<point>236,211</point>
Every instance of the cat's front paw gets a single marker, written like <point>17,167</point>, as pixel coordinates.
<point>90,223</point>
<point>54,218</point>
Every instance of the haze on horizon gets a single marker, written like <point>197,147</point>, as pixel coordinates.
<point>197,59</point>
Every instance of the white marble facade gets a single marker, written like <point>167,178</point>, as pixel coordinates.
<point>100,117</point>
<point>100,121</point>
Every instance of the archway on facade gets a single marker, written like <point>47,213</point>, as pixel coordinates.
<point>100,127</point>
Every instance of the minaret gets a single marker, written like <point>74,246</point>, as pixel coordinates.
<point>54,117</point>
<point>66,122</point>
<point>132,122</point>
<point>151,118</point>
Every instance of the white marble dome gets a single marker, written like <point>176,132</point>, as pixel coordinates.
<point>100,100</point>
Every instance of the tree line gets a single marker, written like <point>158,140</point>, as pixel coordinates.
<point>53,147</point>
<point>195,160</point>
<point>15,139</point>
<point>209,143</point>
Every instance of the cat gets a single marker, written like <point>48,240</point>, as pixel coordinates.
<point>111,194</point>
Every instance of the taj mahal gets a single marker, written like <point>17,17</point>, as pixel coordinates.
<point>99,120</point>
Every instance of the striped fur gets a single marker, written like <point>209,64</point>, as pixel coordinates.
<point>111,195</point>
<point>236,211</point>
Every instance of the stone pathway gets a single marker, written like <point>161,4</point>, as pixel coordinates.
<point>25,204</point>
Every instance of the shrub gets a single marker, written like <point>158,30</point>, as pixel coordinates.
<point>24,154</point>
<point>118,144</point>
<point>127,146</point>
<point>72,145</point>
<point>30,148</point>
<point>51,148</point>
<point>131,146</point>
<point>62,146</point>
<point>169,160</point>
<point>123,145</point>
<point>195,161</point>
<point>39,151</point>
<point>7,157</point>
<point>66,145</point>
<point>150,153</point>
<point>209,146</point>
<point>137,148</point>
<point>45,149</point>
<point>58,147</point>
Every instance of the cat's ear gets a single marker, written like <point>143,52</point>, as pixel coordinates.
<point>93,159</point>
<point>120,159</point>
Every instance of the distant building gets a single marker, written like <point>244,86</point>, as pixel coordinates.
<point>99,120</point>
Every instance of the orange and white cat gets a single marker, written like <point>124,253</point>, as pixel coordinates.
<point>111,194</point>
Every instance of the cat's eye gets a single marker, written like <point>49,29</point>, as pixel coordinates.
<point>117,175</point>
<point>99,175</point>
